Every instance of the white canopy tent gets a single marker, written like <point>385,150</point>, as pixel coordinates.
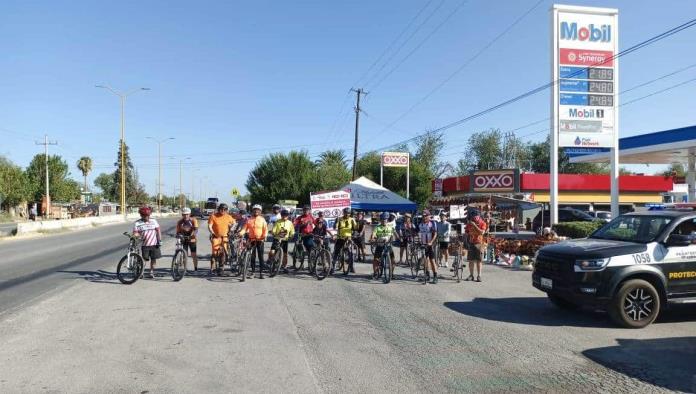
<point>366,195</point>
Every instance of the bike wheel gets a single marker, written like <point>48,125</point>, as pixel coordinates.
<point>346,260</point>
<point>244,260</point>
<point>178,265</point>
<point>322,264</point>
<point>372,250</point>
<point>129,269</point>
<point>386,268</point>
<point>412,264</point>
<point>312,260</point>
<point>274,266</point>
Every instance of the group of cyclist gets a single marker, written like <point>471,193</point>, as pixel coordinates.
<point>311,230</point>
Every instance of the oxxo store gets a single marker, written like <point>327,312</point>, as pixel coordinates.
<point>586,192</point>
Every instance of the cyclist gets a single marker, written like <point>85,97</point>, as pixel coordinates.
<point>444,230</point>
<point>148,230</point>
<point>282,230</point>
<point>345,226</point>
<point>187,226</point>
<point>359,236</point>
<point>275,216</point>
<point>305,227</point>
<point>383,233</point>
<point>405,232</point>
<point>320,218</point>
<point>219,225</point>
<point>257,229</point>
<point>428,235</point>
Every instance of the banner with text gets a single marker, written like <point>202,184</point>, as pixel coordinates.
<point>330,203</point>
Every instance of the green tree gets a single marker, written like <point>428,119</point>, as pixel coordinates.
<point>105,182</point>
<point>14,187</point>
<point>674,169</point>
<point>280,176</point>
<point>85,167</point>
<point>484,152</point>
<point>540,161</point>
<point>135,191</point>
<point>332,170</point>
<point>62,188</point>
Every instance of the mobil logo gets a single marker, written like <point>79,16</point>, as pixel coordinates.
<point>591,32</point>
<point>585,113</point>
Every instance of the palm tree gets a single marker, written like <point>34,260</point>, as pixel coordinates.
<point>85,166</point>
<point>332,157</point>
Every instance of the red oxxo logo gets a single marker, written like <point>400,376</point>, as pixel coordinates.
<point>494,181</point>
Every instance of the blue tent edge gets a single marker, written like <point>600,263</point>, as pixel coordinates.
<point>383,207</point>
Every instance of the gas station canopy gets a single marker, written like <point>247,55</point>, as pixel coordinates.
<point>662,147</point>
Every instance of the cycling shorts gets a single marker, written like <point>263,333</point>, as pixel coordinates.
<point>282,244</point>
<point>218,242</point>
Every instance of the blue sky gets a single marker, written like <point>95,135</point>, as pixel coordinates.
<point>233,81</point>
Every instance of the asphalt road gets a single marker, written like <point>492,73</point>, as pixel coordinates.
<point>67,325</point>
<point>7,228</point>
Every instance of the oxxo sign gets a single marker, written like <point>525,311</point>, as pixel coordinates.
<point>395,159</point>
<point>501,181</point>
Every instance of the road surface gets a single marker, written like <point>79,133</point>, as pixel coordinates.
<point>67,325</point>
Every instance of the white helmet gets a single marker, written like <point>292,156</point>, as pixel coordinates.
<point>186,211</point>
<point>257,206</point>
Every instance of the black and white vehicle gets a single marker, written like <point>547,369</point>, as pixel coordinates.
<point>632,267</point>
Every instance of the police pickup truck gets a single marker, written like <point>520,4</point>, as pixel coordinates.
<point>632,267</point>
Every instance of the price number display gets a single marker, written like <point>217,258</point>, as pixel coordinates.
<point>600,100</point>
<point>601,87</point>
<point>604,74</point>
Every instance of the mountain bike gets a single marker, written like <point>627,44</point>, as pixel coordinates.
<point>235,253</point>
<point>276,261</point>
<point>131,265</point>
<point>243,260</point>
<point>458,264</point>
<point>179,258</point>
<point>298,253</point>
<point>346,256</point>
<point>385,262</point>
<point>416,256</point>
<point>320,258</point>
<point>219,258</point>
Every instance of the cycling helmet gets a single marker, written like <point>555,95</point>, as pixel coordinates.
<point>256,206</point>
<point>346,210</point>
<point>284,212</point>
<point>407,215</point>
<point>276,206</point>
<point>222,207</point>
<point>384,216</point>
<point>145,211</point>
<point>306,208</point>
<point>186,211</point>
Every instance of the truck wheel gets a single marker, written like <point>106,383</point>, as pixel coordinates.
<point>635,305</point>
<point>562,303</point>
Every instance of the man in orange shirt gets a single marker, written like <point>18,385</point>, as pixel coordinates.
<point>219,225</point>
<point>475,229</point>
<point>257,228</point>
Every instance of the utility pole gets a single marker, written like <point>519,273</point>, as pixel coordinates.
<point>46,143</point>
<point>358,92</point>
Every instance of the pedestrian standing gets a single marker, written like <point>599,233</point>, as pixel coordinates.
<point>428,235</point>
<point>475,230</point>
<point>444,230</point>
<point>405,232</point>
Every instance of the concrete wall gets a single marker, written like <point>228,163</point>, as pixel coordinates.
<point>71,224</point>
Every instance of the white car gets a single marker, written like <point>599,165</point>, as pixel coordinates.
<point>601,215</point>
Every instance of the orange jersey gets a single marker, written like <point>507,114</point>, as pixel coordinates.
<point>221,224</point>
<point>256,227</point>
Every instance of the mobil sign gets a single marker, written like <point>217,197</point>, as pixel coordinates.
<point>395,159</point>
<point>495,181</point>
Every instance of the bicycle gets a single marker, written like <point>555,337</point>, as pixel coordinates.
<point>219,258</point>
<point>298,253</point>
<point>244,260</point>
<point>458,264</point>
<point>276,261</point>
<point>319,260</point>
<point>234,256</point>
<point>131,271</point>
<point>179,258</point>
<point>385,262</point>
<point>357,252</point>
<point>346,256</point>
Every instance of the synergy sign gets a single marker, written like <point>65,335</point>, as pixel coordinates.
<point>584,100</point>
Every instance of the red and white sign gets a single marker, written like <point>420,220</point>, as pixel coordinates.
<point>585,57</point>
<point>493,181</point>
<point>395,159</point>
<point>437,187</point>
<point>330,203</point>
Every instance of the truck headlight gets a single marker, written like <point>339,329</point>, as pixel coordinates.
<point>591,264</point>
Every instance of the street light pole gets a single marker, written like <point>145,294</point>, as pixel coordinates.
<point>122,97</point>
<point>159,170</point>
<point>182,202</point>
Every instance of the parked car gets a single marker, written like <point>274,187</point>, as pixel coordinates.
<point>564,215</point>
<point>601,215</point>
<point>197,212</point>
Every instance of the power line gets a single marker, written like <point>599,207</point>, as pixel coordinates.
<point>417,47</point>
<point>545,86</point>
<point>442,2</point>
<point>464,65</point>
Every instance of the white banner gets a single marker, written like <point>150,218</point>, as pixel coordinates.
<point>330,203</point>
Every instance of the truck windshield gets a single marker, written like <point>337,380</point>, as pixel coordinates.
<point>630,228</point>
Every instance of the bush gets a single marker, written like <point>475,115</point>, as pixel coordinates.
<point>577,229</point>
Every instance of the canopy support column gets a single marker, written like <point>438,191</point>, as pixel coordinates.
<point>691,177</point>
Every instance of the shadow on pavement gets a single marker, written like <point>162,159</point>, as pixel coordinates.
<point>99,276</point>
<point>665,362</point>
<point>528,310</point>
